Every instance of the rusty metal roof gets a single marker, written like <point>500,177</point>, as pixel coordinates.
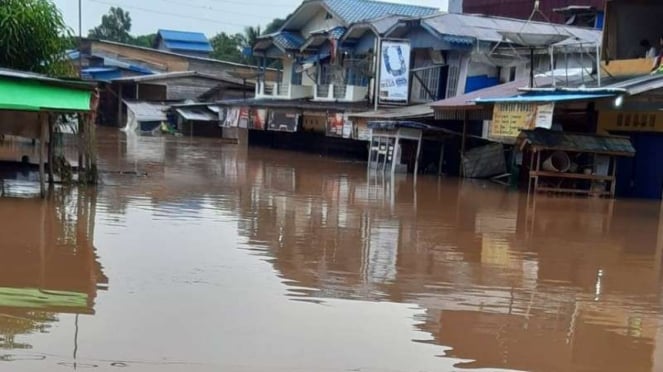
<point>467,101</point>
<point>578,142</point>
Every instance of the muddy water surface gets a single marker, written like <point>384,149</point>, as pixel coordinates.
<point>199,256</point>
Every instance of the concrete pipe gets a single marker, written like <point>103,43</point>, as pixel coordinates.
<point>558,161</point>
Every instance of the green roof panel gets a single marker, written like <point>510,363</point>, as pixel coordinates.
<point>27,95</point>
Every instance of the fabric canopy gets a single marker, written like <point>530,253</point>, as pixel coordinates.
<point>27,95</point>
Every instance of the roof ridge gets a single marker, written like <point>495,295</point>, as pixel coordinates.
<point>384,2</point>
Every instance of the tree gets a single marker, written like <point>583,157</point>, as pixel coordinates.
<point>146,41</point>
<point>274,25</point>
<point>115,26</point>
<point>227,47</point>
<point>34,37</point>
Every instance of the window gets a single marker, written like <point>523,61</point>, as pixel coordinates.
<point>512,73</point>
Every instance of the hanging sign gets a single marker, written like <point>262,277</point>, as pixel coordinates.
<point>395,71</point>
<point>283,120</point>
<point>510,118</point>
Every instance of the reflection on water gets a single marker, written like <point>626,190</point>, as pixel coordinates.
<point>232,259</point>
<point>48,264</point>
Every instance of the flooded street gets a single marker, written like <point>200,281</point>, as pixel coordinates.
<point>201,256</point>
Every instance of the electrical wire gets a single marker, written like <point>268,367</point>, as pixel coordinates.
<point>202,19</point>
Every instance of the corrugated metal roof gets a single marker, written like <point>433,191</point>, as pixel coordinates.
<point>547,139</point>
<point>468,101</point>
<point>287,40</point>
<point>351,11</point>
<point>187,46</point>
<point>485,28</point>
<point>16,74</point>
<point>176,75</point>
<point>391,125</point>
<point>379,25</point>
<point>197,114</point>
<point>189,37</point>
<point>406,112</point>
<point>145,111</point>
<point>185,41</point>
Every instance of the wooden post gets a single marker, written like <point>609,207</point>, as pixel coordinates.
<point>51,123</point>
<point>43,133</point>
<point>462,143</point>
<point>416,162</point>
<point>439,166</point>
<point>119,105</point>
<point>81,145</point>
<point>613,183</point>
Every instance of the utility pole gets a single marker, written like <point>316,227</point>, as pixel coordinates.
<point>80,38</point>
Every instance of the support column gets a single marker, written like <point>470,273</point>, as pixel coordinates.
<point>51,124</point>
<point>462,143</point>
<point>43,134</point>
<point>119,106</point>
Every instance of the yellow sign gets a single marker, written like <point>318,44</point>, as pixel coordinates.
<point>510,118</point>
<point>631,121</point>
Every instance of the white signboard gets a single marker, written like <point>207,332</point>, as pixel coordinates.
<point>544,115</point>
<point>395,71</point>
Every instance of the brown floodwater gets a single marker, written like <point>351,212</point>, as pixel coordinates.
<point>200,256</point>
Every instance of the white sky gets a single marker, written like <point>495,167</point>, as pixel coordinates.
<point>208,16</point>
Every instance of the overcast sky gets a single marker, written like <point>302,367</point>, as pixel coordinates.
<point>208,16</point>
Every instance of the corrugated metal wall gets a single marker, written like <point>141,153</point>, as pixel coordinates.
<point>523,8</point>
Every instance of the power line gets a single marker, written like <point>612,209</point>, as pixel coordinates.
<point>215,21</point>
<point>209,8</point>
<point>238,2</point>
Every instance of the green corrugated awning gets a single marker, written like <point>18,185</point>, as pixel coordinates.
<point>25,95</point>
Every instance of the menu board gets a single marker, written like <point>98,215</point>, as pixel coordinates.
<point>510,118</point>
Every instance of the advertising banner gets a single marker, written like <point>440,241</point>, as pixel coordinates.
<point>510,118</point>
<point>243,121</point>
<point>232,117</point>
<point>283,120</point>
<point>395,71</point>
<point>335,122</point>
<point>258,119</point>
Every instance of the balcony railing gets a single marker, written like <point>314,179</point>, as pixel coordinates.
<point>340,92</point>
<point>267,89</point>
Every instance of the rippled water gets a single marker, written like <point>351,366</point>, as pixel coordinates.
<point>199,256</point>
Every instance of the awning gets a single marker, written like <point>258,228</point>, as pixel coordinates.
<point>543,97</point>
<point>34,96</point>
<point>405,112</point>
<point>145,111</point>
<point>197,114</point>
<point>392,125</point>
<point>315,58</point>
<point>577,142</point>
<point>458,40</point>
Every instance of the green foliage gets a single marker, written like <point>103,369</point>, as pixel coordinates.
<point>274,25</point>
<point>146,41</point>
<point>33,37</point>
<point>115,26</point>
<point>227,47</point>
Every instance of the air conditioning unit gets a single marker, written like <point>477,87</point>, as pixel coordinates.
<point>437,57</point>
